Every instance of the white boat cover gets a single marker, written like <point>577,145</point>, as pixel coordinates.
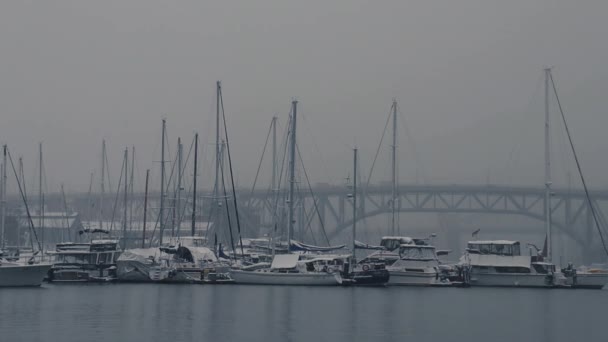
<point>492,260</point>
<point>493,242</point>
<point>134,264</point>
<point>284,261</point>
<point>361,245</point>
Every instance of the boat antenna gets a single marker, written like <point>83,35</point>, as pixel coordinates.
<point>578,166</point>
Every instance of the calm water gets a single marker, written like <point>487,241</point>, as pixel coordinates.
<point>139,312</point>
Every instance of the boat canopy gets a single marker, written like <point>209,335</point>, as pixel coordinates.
<point>299,246</point>
<point>494,242</point>
<point>361,245</point>
<point>282,261</point>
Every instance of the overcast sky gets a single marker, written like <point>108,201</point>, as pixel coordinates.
<point>467,75</point>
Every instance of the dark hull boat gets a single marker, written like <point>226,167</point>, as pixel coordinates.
<point>366,275</point>
<point>85,262</point>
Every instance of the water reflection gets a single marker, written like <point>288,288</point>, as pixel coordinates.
<point>135,312</point>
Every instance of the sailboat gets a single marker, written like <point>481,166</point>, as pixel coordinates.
<point>499,262</point>
<point>18,272</point>
<point>293,269</point>
<point>367,273</point>
<point>594,276</point>
<point>409,261</point>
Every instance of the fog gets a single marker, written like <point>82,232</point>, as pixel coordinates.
<point>467,76</point>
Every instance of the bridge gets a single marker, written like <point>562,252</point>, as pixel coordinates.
<point>569,208</point>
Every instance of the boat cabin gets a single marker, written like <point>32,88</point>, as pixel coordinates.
<point>417,252</point>
<point>93,253</point>
<point>494,247</point>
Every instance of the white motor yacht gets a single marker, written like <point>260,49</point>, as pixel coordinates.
<point>410,261</point>
<point>500,263</point>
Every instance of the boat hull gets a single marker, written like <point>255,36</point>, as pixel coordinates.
<point>405,278</point>
<point>511,279</point>
<point>367,278</point>
<point>17,275</point>
<point>588,280</point>
<point>276,278</point>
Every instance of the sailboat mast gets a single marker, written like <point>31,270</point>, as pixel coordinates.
<point>40,196</point>
<point>3,194</point>
<point>178,200</point>
<point>274,154</point>
<point>547,166</point>
<point>194,184</point>
<point>354,203</point>
<point>394,170</point>
<point>292,173</point>
<point>126,190</point>
<point>162,185</point>
<point>103,177</point>
<point>218,146</point>
<point>132,187</point>
<point>143,237</point>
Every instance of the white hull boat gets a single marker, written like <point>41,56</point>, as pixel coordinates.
<point>589,280</point>
<point>16,275</point>
<point>267,277</point>
<point>587,277</point>
<point>287,269</point>
<point>511,280</point>
<point>416,264</point>
<point>499,263</point>
<point>424,278</point>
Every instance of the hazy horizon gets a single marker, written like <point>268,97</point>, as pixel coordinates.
<point>467,75</point>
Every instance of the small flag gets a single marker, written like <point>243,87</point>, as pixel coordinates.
<point>475,232</point>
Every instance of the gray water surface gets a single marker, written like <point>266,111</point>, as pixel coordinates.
<point>146,312</point>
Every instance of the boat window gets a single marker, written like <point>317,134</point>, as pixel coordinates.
<point>390,244</point>
<point>496,249</point>
<point>516,250</point>
<point>543,268</point>
<point>485,249</point>
<point>417,253</point>
<point>511,269</point>
<point>105,258</point>
<point>77,258</point>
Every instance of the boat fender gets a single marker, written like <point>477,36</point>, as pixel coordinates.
<point>365,267</point>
